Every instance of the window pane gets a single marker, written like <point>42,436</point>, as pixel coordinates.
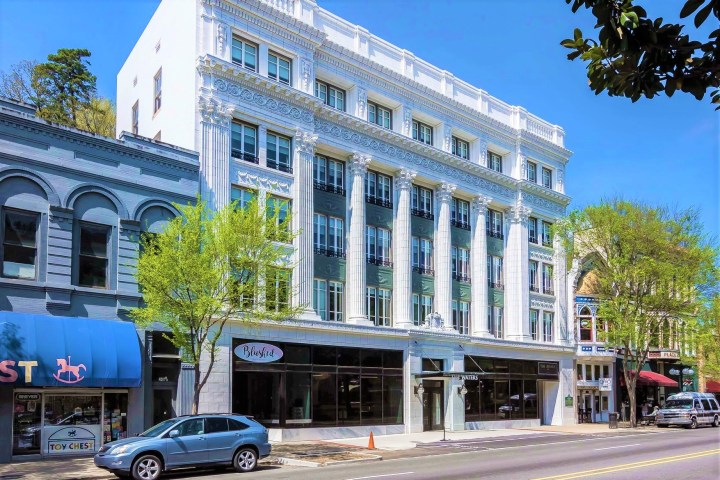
<point>297,392</point>
<point>324,391</point>
<point>93,241</point>
<point>348,399</point>
<point>392,400</point>
<point>371,396</point>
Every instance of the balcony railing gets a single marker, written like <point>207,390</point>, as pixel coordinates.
<point>496,285</point>
<point>548,290</point>
<point>381,262</point>
<point>533,239</point>
<point>422,213</point>
<point>534,288</point>
<point>424,270</point>
<point>461,278</point>
<point>460,224</point>
<point>326,187</point>
<point>494,233</point>
<point>248,157</point>
<point>279,166</point>
<point>330,252</point>
<point>547,243</point>
<point>375,200</point>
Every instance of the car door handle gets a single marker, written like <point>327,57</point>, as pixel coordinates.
<point>201,438</point>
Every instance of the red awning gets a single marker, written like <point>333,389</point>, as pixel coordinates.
<point>654,379</point>
<point>712,386</point>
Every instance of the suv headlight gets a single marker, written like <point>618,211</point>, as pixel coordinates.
<point>120,449</point>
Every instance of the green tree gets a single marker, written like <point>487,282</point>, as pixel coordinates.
<point>63,86</point>
<point>635,56</point>
<point>16,83</point>
<point>98,116</point>
<point>707,342</point>
<point>207,268</point>
<point>651,267</point>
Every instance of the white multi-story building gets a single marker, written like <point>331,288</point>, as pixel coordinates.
<point>435,295</point>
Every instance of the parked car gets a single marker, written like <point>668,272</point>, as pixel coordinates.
<point>187,441</point>
<point>689,409</point>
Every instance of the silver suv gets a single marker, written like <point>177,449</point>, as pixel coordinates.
<point>689,409</point>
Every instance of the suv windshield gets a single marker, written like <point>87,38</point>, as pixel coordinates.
<point>159,428</point>
<point>683,403</point>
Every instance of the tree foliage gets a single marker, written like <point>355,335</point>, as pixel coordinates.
<point>63,89</point>
<point>207,268</point>
<point>635,56</point>
<point>651,267</point>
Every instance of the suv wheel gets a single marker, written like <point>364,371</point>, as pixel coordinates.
<point>693,423</point>
<point>245,460</point>
<point>716,421</point>
<point>146,467</point>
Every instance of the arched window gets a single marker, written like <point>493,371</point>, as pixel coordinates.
<point>585,325</point>
<point>95,238</point>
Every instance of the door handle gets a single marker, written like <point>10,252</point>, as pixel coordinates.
<point>201,438</point>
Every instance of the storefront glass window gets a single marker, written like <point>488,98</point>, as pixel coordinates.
<point>26,423</point>
<point>258,394</point>
<point>115,416</point>
<point>324,399</point>
<point>487,400</point>
<point>392,359</point>
<point>371,395</point>
<point>472,399</point>
<point>501,400</point>
<point>516,400</point>
<point>392,400</point>
<point>297,394</point>
<point>531,400</point>
<point>348,399</point>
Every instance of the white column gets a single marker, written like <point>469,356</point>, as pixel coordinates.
<point>215,152</point>
<point>443,255</point>
<point>517,294</point>
<point>563,310</point>
<point>401,244</point>
<point>478,274</point>
<point>302,219</point>
<point>355,276</point>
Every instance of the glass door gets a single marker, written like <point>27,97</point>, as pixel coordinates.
<point>27,423</point>
<point>433,405</point>
<point>71,424</point>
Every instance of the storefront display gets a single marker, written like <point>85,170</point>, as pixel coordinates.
<point>293,385</point>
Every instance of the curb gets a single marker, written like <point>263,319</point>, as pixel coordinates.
<point>306,463</point>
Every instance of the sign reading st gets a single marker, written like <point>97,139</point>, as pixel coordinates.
<point>14,371</point>
<point>255,352</point>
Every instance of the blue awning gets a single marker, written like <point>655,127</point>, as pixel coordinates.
<point>49,351</point>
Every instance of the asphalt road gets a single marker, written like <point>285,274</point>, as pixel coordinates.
<point>663,454</point>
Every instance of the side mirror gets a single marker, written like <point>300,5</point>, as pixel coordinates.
<point>174,433</point>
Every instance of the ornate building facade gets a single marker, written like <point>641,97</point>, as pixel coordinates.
<point>434,292</point>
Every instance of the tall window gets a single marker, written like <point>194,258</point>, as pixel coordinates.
<point>422,307</point>
<point>329,174</point>
<point>378,189</point>
<point>532,230</point>
<point>422,255</point>
<point>277,289</point>
<point>93,255</point>
<point>242,196</point>
<point>243,142</point>
<point>422,132</point>
<point>461,148</point>
<point>547,273</point>
<point>335,301</point>
<point>547,234</point>
<point>320,297</point>
<point>546,177</point>
<point>461,316</point>
<point>378,305</point>
<point>157,87</point>
<point>494,162</point>
<point>495,321</point>
<point>135,115</point>
<point>547,327</point>
<point>278,153</point>
<point>422,202</point>
<point>495,272</point>
<point>532,172</point>
<point>282,207</point>
<point>377,245</point>
<point>328,235</point>
<point>533,276</point>
<point>585,325</point>
<point>330,95</point>
<point>460,214</point>
<point>380,115</point>
<point>279,68</point>
<point>494,223</point>
<point>461,264</point>
<point>244,53</point>
<point>19,245</point>
<point>534,325</point>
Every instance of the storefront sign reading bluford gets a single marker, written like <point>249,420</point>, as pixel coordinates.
<point>258,352</point>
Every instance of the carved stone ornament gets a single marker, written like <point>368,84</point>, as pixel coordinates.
<point>306,73</point>
<point>305,141</point>
<point>221,38</point>
<point>480,204</point>
<point>560,178</point>
<point>522,160</point>
<point>482,145</point>
<point>404,179</point>
<point>358,163</point>
<point>444,192</point>
<point>407,120</point>
<point>251,96</point>
<point>362,102</point>
<point>447,138</point>
<point>518,213</point>
<point>434,321</point>
<point>543,203</point>
<point>215,111</point>
<point>541,304</point>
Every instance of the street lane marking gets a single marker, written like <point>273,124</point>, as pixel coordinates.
<point>381,476</point>
<point>619,446</point>
<point>629,466</point>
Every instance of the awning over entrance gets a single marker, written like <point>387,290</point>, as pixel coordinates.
<point>653,379</point>
<point>712,386</point>
<point>42,351</point>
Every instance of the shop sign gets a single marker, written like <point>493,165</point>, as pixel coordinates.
<point>569,401</point>
<point>606,384</point>
<point>548,369</point>
<point>9,370</point>
<point>71,440</point>
<point>27,397</point>
<point>586,348</point>
<point>671,355</point>
<point>600,349</point>
<point>258,352</point>
<point>465,377</point>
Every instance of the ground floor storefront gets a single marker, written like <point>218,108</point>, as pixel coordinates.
<point>306,380</point>
<point>596,384</point>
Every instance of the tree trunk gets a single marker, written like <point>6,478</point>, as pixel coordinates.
<point>700,369</point>
<point>196,389</point>
<point>631,396</point>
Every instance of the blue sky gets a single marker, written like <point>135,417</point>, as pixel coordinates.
<point>661,151</point>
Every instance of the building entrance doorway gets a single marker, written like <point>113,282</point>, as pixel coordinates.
<point>433,405</point>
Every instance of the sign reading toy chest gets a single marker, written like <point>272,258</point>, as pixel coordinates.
<point>256,352</point>
<point>70,440</point>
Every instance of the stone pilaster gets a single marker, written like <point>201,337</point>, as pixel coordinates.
<point>478,269</point>
<point>402,253</point>
<point>517,294</point>
<point>443,254</point>
<point>302,219</point>
<point>215,154</point>
<point>355,280</point>
<point>563,311</point>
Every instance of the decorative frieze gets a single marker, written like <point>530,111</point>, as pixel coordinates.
<point>543,203</point>
<point>250,96</point>
<point>540,254</point>
<point>262,181</point>
<point>541,304</point>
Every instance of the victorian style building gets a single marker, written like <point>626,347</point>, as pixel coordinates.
<point>434,292</point>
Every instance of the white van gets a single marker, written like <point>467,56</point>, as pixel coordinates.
<point>689,409</point>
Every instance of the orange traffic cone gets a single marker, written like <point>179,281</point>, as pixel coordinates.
<point>371,442</point>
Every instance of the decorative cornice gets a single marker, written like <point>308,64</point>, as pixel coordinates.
<point>444,192</point>
<point>404,179</point>
<point>545,203</point>
<point>357,163</point>
<point>305,141</point>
